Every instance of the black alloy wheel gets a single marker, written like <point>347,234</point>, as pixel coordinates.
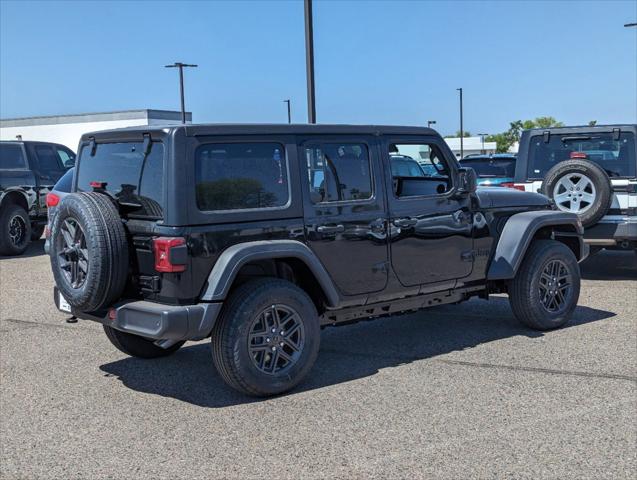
<point>17,230</point>
<point>73,252</point>
<point>555,286</point>
<point>276,339</point>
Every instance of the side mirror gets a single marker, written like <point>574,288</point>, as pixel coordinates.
<point>69,163</point>
<point>467,181</point>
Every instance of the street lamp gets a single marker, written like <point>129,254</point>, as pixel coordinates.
<point>482,135</point>
<point>461,127</point>
<point>630,25</point>
<point>289,110</point>
<point>309,61</point>
<point>181,66</point>
<point>430,123</point>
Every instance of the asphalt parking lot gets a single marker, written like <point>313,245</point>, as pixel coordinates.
<point>453,392</point>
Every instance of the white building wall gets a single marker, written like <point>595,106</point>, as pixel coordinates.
<point>69,134</point>
<point>471,145</point>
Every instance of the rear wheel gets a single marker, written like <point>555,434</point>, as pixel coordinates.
<point>15,230</point>
<point>137,346</point>
<point>267,337</point>
<point>546,288</point>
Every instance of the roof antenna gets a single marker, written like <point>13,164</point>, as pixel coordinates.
<point>19,137</point>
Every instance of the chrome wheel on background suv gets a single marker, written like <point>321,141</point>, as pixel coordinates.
<point>574,193</point>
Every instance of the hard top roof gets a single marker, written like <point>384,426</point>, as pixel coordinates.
<point>587,128</point>
<point>267,129</point>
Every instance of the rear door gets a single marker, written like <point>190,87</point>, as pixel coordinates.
<point>344,208</point>
<point>48,169</point>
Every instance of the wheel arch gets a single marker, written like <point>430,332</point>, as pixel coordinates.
<point>15,197</point>
<point>286,256</point>
<point>523,228</point>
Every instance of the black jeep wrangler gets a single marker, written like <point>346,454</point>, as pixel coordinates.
<point>28,171</point>
<point>260,235</point>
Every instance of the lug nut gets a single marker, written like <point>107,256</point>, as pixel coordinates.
<point>281,344</point>
<point>273,330</point>
<point>274,349</point>
<point>267,339</point>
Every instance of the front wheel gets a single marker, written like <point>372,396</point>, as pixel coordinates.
<point>546,288</point>
<point>15,230</point>
<point>267,337</point>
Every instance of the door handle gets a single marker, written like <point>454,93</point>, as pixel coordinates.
<point>405,222</point>
<point>330,229</point>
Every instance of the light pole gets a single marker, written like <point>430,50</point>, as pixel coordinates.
<point>482,135</point>
<point>430,123</point>
<point>289,110</point>
<point>181,66</point>
<point>630,25</point>
<point>309,61</point>
<point>461,127</point>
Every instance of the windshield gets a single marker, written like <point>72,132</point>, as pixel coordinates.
<point>491,167</point>
<point>615,156</point>
<point>129,176</point>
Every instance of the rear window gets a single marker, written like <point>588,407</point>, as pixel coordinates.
<point>66,182</point>
<point>241,176</point>
<point>491,167</point>
<point>11,157</point>
<point>130,176</point>
<point>616,157</point>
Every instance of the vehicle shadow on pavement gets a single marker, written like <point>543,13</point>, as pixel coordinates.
<point>347,353</point>
<point>610,265</point>
<point>34,249</point>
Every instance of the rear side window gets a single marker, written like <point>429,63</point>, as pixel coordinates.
<point>11,157</point>
<point>130,176</point>
<point>241,176</point>
<point>615,156</point>
<point>338,172</point>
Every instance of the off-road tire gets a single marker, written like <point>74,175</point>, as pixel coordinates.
<point>7,214</point>
<point>230,336</point>
<point>137,346</point>
<point>524,290</point>
<point>599,178</point>
<point>107,250</point>
<point>36,233</point>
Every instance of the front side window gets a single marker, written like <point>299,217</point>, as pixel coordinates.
<point>338,172</point>
<point>432,177</point>
<point>241,176</point>
<point>615,156</point>
<point>11,157</point>
<point>129,174</point>
<point>66,157</point>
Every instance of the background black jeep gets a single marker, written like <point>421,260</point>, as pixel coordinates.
<point>259,235</point>
<point>28,171</point>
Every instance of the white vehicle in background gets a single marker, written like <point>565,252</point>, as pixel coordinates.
<point>591,171</point>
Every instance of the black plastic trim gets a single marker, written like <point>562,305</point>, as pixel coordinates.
<point>517,235</point>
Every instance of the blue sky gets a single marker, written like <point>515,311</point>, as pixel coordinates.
<point>376,61</point>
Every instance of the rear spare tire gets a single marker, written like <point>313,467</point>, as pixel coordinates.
<point>89,253</point>
<point>581,187</point>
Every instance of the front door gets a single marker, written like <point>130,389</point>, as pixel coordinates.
<point>430,227</point>
<point>344,210</point>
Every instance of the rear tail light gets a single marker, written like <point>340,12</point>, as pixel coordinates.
<point>170,254</point>
<point>578,155</point>
<point>517,186</point>
<point>52,200</point>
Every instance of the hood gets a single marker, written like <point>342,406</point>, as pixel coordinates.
<point>497,197</point>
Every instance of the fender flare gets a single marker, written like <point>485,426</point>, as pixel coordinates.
<point>233,258</point>
<point>517,235</point>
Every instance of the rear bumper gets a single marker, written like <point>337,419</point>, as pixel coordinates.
<point>157,321</point>
<point>609,233</point>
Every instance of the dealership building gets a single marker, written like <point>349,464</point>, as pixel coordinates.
<point>67,129</point>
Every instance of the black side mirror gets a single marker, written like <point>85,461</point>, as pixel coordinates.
<point>467,181</point>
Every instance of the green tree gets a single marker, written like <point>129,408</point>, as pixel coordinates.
<point>506,139</point>
<point>592,123</point>
<point>457,134</point>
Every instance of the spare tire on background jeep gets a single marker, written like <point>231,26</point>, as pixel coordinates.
<point>581,187</point>
<point>88,229</point>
